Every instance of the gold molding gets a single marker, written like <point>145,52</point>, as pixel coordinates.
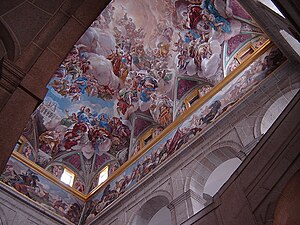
<point>70,172</point>
<point>188,112</point>
<point>48,175</point>
<point>145,136</point>
<point>99,174</point>
<point>194,94</point>
<point>258,52</point>
<point>22,140</point>
<point>243,53</point>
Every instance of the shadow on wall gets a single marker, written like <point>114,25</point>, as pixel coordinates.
<point>219,176</point>
<point>9,46</point>
<point>153,211</point>
<point>287,209</point>
<point>275,110</point>
<point>163,216</point>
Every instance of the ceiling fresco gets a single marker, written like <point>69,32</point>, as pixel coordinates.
<point>130,71</point>
<point>41,190</point>
<point>138,68</point>
<point>218,104</point>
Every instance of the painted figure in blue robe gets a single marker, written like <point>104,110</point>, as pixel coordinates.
<point>93,118</point>
<point>83,117</point>
<point>216,20</point>
<point>82,83</point>
<point>103,121</point>
<point>147,86</point>
<point>190,36</point>
<point>145,97</point>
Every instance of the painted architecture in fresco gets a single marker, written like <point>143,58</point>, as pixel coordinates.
<point>138,67</point>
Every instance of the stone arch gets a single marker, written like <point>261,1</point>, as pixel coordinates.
<point>288,204</point>
<point>150,207</point>
<point>233,147</point>
<point>11,47</point>
<point>221,151</point>
<point>219,176</point>
<point>281,99</point>
<point>204,166</point>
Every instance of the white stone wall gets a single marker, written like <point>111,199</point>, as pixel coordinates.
<point>179,182</point>
<point>16,209</point>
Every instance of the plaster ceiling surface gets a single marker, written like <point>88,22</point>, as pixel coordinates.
<point>132,70</point>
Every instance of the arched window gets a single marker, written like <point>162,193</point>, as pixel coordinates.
<point>245,53</point>
<point>275,110</point>
<point>163,216</point>
<point>68,177</point>
<point>153,212</point>
<point>103,175</point>
<point>220,175</point>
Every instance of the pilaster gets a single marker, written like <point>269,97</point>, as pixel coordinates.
<point>185,205</point>
<point>16,106</point>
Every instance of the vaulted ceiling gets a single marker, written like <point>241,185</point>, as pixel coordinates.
<point>136,69</point>
<point>131,70</point>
